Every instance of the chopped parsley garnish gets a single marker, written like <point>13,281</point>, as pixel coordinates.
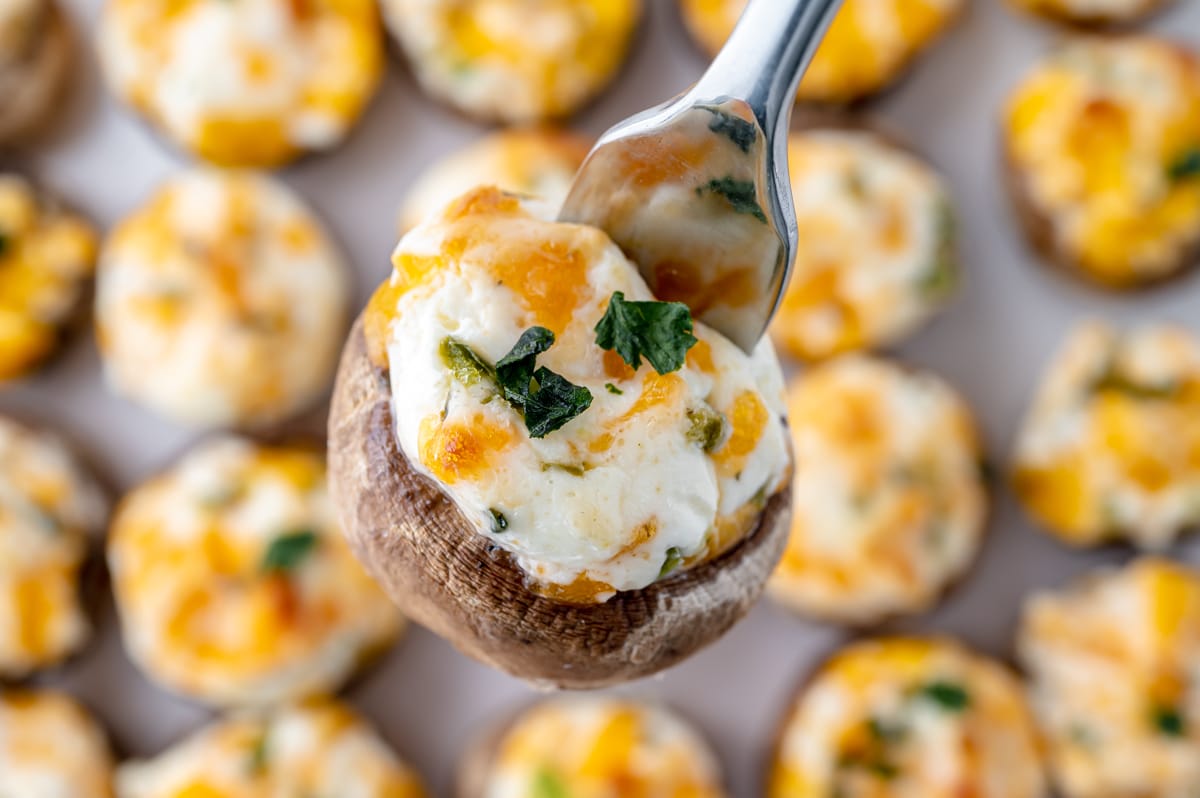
<point>942,275</point>
<point>1185,166</point>
<point>552,402</point>
<point>548,784</point>
<point>257,761</point>
<point>878,767</point>
<point>949,696</point>
<point>608,386</point>
<point>1169,722</point>
<point>672,561</point>
<point>287,551</point>
<point>499,520</point>
<point>734,128</point>
<point>706,427</point>
<point>742,195</point>
<point>574,469</point>
<point>466,366</point>
<point>547,400</point>
<point>659,331</point>
<point>515,370</point>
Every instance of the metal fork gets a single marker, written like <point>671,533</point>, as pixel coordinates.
<point>696,190</point>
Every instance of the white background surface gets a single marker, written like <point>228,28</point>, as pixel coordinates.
<point>992,343</point>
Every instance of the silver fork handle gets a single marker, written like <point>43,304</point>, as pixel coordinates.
<point>765,56</point>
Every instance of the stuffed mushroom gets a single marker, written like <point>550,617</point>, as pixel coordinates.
<point>1112,660</point>
<point>47,257</point>
<point>890,501</point>
<point>221,302</point>
<point>878,259</point>
<point>50,747</point>
<point>1102,142</point>
<point>35,58</point>
<point>249,83</point>
<point>315,748</point>
<point>908,718</point>
<point>233,583</point>
<point>514,61</point>
<point>592,748</point>
<point>566,478</point>
<point>868,47</point>
<point>51,514</point>
<point>1110,449</point>
<point>538,162</point>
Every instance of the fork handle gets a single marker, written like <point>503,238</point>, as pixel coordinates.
<point>766,55</point>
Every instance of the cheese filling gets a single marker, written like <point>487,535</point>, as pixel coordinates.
<point>49,511</point>
<point>320,748</point>
<point>877,237</point>
<point>1111,446</point>
<point>1113,662</point>
<point>221,302</point>
<point>50,746</point>
<point>46,258</point>
<point>597,747</point>
<point>514,60</point>
<point>251,82</point>
<point>234,583</point>
<point>1105,137</point>
<point>661,470</point>
<point>889,502</point>
<point>908,718</point>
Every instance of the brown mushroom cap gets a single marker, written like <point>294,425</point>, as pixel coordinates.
<point>444,575</point>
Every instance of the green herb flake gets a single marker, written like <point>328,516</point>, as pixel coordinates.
<point>706,427</point>
<point>672,561</point>
<point>659,331</point>
<point>1186,166</point>
<point>885,731</point>
<point>574,469</point>
<point>499,520</point>
<point>948,696</point>
<point>288,550</point>
<point>515,370</point>
<point>1169,722</point>
<point>733,127</point>
<point>548,784</point>
<point>466,366</point>
<point>742,195</point>
<point>555,402</point>
<point>941,278</point>
<point>608,386</point>
<point>256,763</point>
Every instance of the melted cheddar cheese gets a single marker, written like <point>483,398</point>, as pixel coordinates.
<point>1104,141</point>
<point>536,162</point>
<point>1111,447</point>
<point>233,582</point>
<point>318,748</point>
<point>601,748</point>
<point>878,255</point>
<point>867,47</point>
<point>221,302</point>
<point>50,512</point>
<point>46,259</point>
<point>515,61</point>
<point>51,748</point>
<point>909,718</point>
<point>1113,663</point>
<point>660,469</point>
<point>889,500</point>
<point>245,83</point>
